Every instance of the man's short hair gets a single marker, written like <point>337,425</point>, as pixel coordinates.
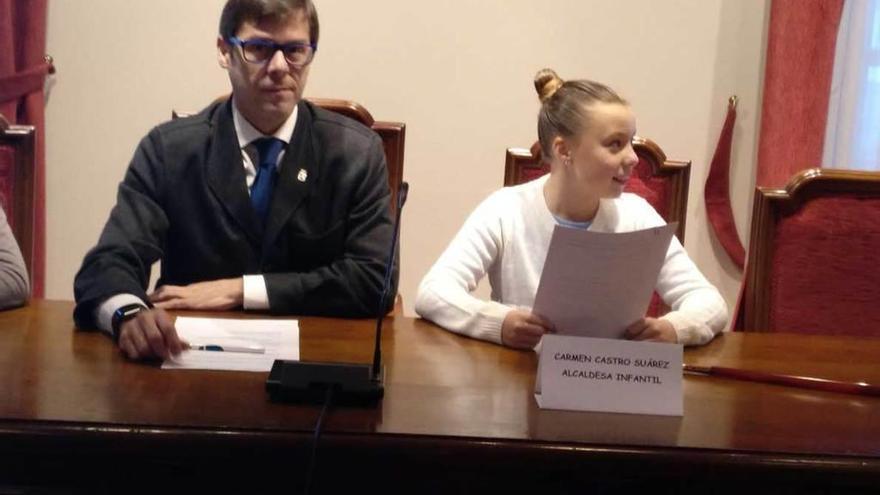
<point>237,12</point>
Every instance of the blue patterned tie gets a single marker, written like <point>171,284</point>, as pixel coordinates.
<point>267,174</point>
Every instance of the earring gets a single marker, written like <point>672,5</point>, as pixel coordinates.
<point>567,162</point>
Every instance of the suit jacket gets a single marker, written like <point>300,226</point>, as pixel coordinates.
<point>184,200</point>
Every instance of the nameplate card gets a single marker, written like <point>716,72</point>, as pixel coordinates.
<point>588,374</point>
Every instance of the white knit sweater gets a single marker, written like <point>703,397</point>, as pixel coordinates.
<point>507,237</point>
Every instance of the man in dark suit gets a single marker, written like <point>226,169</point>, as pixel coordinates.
<point>260,202</point>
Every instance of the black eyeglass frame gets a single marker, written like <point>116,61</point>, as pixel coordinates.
<point>286,49</point>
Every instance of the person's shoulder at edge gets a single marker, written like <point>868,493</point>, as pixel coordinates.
<point>184,135</point>
<point>15,287</point>
<point>203,119</point>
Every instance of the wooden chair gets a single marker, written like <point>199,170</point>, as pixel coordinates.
<point>393,135</point>
<point>662,182</point>
<point>812,264</point>
<point>17,162</point>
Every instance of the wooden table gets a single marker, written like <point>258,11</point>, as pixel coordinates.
<point>458,415</point>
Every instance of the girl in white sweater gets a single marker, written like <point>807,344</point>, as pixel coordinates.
<point>586,131</point>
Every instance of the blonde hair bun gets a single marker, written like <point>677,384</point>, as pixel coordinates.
<point>547,82</point>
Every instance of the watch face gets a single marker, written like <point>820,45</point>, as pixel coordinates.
<point>122,314</point>
<point>126,313</point>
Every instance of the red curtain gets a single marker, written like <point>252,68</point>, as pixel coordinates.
<point>23,69</point>
<point>797,84</point>
<point>717,192</point>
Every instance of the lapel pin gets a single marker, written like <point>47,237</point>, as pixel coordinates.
<point>302,175</point>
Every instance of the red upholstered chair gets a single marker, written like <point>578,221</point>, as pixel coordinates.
<point>813,256</point>
<point>663,183</point>
<point>17,185</point>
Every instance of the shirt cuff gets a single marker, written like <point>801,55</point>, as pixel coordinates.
<point>489,324</point>
<point>255,295</point>
<point>688,331</point>
<point>104,313</point>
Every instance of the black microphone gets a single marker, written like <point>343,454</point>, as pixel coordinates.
<point>351,383</point>
<point>386,287</point>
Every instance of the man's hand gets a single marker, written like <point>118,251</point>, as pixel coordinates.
<point>523,330</point>
<point>653,329</point>
<point>215,295</point>
<point>150,334</point>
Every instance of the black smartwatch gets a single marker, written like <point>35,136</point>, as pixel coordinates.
<point>122,315</point>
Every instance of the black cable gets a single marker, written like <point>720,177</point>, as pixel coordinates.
<point>319,425</point>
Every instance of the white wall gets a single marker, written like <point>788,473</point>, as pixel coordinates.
<point>459,73</point>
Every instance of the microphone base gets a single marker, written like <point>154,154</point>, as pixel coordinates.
<point>307,383</point>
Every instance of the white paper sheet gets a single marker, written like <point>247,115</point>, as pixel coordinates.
<point>280,339</point>
<point>595,284</point>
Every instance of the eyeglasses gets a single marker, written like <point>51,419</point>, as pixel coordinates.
<point>258,51</point>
